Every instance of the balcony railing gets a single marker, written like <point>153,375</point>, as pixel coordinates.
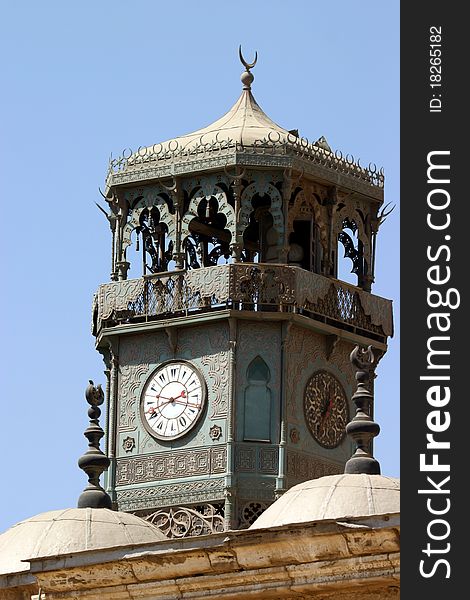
<point>243,286</point>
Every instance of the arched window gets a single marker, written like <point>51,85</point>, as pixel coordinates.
<point>208,227</point>
<point>353,250</point>
<point>257,421</point>
<point>305,246</point>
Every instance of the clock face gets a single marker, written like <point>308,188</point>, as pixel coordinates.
<point>326,409</point>
<point>173,400</point>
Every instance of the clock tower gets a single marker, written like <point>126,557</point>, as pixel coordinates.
<point>227,354</point>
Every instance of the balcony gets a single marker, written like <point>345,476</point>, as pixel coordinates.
<point>243,287</point>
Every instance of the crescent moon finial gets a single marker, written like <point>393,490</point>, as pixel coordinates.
<point>247,78</point>
<point>247,65</point>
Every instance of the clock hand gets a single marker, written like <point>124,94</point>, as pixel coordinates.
<point>330,406</point>
<point>163,398</point>
<point>327,412</point>
<point>187,404</point>
<point>153,411</point>
<point>182,395</point>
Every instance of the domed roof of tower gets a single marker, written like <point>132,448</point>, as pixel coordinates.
<point>241,132</point>
<point>333,497</point>
<point>60,532</point>
<point>244,128</point>
<point>245,124</point>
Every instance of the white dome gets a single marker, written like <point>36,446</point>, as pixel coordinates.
<point>60,532</point>
<point>333,497</point>
<point>245,123</point>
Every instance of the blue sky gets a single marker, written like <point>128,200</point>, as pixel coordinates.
<point>84,79</point>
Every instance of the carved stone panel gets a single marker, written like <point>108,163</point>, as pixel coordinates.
<point>211,283</point>
<point>303,348</point>
<point>268,460</point>
<point>245,459</point>
<point>131,377</point>
<point>164,465</point>
<point>256,459</point>
<point>114,297</point>
<point>136,355</point>
<point>191,492</point>
<point>209,345</point>
<point>250,489</point>
<point>217,366</point>
<point>302,467</point>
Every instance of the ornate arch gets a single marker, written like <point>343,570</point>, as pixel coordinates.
<point>300,200</point>
<point>150,198</point>
<point>351,213</point>
<point>258,399</point>
<point>223,207</point>
<point>261,188</point>
<point>207,183</point>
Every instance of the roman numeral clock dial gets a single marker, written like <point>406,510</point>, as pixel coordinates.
<point>173,400</point>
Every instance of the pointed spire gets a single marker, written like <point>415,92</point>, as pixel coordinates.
<point>247,77</point>
<point>94,461</point>
<point>362,429</point>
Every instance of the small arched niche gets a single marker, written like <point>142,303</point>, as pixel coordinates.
<point>257,405</point>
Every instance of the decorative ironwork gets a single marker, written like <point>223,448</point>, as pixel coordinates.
<point>273,144</point>
<point>218,251</point>
<point>263,286</point>
<point>212,210</point>
<point>351,252</point>
<point>356,254</point>
<point>343,304</point>
<point>247,287</point>
<point>190,245</point>
<point>181,522</point>
<point>251,511</point>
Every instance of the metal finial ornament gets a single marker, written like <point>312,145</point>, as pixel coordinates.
<point>362,429</point>
<point>94,461</point>
<point>384,213</point>
<point>247,77</point>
